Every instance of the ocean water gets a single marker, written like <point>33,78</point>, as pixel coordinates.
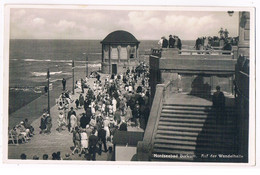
<point>30,59</point>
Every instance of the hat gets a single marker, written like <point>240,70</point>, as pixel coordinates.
<point>170,36</point>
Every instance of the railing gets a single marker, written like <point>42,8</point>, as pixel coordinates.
<point>144,148</point>
<point>207,52</point>
<point>167,89</point>
<point>158,51</point>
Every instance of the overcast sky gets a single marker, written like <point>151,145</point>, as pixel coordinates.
<point>97,24</point>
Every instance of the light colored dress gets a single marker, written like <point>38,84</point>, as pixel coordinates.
<point>73,121</point>
<point>84,140</point>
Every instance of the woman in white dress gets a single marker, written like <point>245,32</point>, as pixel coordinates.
<point>83,141</point>
<point>73,122</point>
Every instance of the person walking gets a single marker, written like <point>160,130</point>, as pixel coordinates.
<point>76,140</point>
<point>43,124</point>
<point>71,112</point>
<point>48,122</point>
<point>102,139</point>
<point>64,84</point>
<point>93,140</point>
<point>218,102</point>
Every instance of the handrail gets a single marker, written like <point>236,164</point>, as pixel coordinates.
<point>157,52</point>
<point>207,51</point>
<point>167,89</point>
<point>145,147</point>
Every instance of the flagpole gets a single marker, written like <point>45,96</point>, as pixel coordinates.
<point>48,77</point>
<point>73,77</point>
<point>86,65</point>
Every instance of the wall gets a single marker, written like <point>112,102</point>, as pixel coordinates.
<point>125,153</point>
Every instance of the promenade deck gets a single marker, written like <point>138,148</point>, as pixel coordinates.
<point>47,144</point>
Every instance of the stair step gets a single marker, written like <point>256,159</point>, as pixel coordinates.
<point>192,105</point>
<point>195,125</point>
<point>189,129</point>
<point>188,108</point>
<point>224,140</point>
<point>192,108</point>
<point>193,143</point>
<point>193,113</point>
<point>193,134</point>
<point>184,112</point>
<point>185,115</point>
<point>185,120</point>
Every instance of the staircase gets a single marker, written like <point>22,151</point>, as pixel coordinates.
<point>187,132</point>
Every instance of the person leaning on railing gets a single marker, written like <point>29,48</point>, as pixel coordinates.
<point>227,47</point>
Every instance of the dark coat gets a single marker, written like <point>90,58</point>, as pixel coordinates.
<point>123,127</point>
<point>165,43</point>
<point>171,42</point>
<point>84,120</point>
<point>102,134</point>
<point>218,100</point>
<point>92,141</point>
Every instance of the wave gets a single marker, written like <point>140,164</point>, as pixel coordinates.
<point>39,74</point>
<point>34,60</point>
<point>69,62</point>
<point>36,90</point>
<point>54,80</point>
<point>90,65</point>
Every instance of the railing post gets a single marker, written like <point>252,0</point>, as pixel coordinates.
<point>164,89</point>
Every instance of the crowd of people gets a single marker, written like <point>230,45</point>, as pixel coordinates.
<point>207,43</point>
<point>21,133</point>
<point>173,42</point>
<point>100,109</point>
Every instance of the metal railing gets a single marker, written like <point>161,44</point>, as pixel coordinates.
<point>158,51</point>
<point>207,52</point>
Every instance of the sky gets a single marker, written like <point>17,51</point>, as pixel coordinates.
<point>97,24</point>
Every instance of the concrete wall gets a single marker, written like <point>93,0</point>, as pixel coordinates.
<point>121,66</point>
<point>125,153</point>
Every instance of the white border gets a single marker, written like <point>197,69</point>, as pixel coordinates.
<point>252,78</point>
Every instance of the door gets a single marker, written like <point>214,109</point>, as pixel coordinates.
<point>114,69</point>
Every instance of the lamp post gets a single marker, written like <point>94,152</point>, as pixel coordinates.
<point>73,76</point>
<point>48,78</point>
<point>86,64</point>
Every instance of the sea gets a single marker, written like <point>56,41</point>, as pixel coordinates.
<point>30,59</point>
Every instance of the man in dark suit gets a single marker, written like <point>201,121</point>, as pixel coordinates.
<point>219,105</point>
<point>84,121</point>
<point>64,84</point>
<point>171,41</point>
<point>93,140</point>
<point>102,139</point>
<point>165,43</point>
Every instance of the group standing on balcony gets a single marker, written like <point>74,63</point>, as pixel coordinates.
<point>173,42</point>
